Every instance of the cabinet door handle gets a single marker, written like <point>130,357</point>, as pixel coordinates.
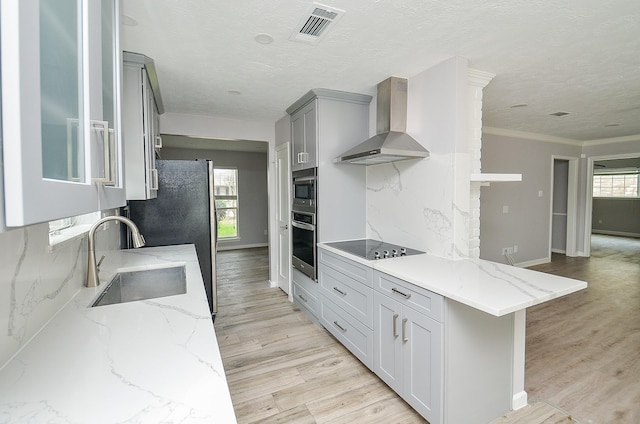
<point>158,143</point>
<point>405,295</point>
<point>340,291</point>
<point>344,330</point>
<point>395,325</point>
<point>154,179</point>
<point>304,157</point>
<point>302,297</point>
<point>404,330</point>
<point>107,140</point>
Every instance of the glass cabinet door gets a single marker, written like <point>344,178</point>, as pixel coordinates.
<point>61,90</point>
<point>107,141</point>
<point>49,107</point>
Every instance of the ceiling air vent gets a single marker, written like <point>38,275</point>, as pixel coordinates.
<point>316,23</point>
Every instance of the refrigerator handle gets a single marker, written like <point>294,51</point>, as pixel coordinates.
<point>213,217</point>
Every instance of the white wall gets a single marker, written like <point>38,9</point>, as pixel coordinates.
<point>35,284</point>
<point>252,191</point>
<point>413,202</point>
<point>216,127</point>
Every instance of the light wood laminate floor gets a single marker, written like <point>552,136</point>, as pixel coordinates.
<point>582,357</point>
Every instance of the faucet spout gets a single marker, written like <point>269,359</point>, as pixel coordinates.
<point>92,268</point>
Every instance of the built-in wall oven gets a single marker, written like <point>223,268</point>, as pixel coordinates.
<point>303,222</point>
<point>303,228</point>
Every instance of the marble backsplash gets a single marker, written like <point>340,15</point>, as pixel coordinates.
<point>36,283</point>
<point>413,203</point>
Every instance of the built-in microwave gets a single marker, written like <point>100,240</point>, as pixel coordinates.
<point>305,190</point>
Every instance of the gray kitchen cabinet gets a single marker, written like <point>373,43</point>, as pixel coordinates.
<point>305,293</point>
<point>61,121</point>
<point>142,106</point>
<point>325,123</point>
<point>408,355</point>
<point>346,303</point>
<point>304,137</point>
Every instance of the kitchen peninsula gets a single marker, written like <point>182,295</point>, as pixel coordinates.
<point>148,361</point>
<point>447,335</point>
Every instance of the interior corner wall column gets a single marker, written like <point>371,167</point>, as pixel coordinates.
<point>477,80</point>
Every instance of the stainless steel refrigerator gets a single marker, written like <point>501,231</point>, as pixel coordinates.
<point>183,213</point>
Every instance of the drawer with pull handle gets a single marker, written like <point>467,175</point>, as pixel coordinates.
<point>422,300</point>
<point>346,292</point>
<point>350,332</point>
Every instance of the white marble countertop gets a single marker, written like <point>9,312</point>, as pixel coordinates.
<point>491,287</point>
<point>147,361</point>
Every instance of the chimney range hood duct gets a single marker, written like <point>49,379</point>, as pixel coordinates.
<point>391,142</point>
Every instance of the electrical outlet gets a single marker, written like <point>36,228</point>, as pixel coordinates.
<point>510,250</point>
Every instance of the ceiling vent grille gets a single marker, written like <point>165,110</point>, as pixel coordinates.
<point>316,23</point>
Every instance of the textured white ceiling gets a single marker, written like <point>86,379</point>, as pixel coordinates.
<point>577,56</point>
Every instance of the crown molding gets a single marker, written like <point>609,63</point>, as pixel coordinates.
<point>611,140</point>
<point>478,78</point>
<point>531,136</point>
<point>560,140</point>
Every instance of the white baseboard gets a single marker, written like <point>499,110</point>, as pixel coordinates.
<point>241,246</point>
<point>519,400</point>
<point>558,251</point>
<point>616,233</point>
<point>533,262</point>
<point>273,284</point>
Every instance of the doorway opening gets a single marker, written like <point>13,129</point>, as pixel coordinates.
<point>564,189</point>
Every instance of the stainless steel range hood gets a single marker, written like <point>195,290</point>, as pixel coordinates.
<point>391,142</point>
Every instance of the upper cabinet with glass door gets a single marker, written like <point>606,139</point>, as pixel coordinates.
<point>61,72</point>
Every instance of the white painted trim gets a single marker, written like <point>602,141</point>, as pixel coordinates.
<point>242,246</point>
<point>530,136</point>
<point>560,140</point>
<point>611,140</point>
<point>616,233</point>
<point>519,400</point>
<point>477,78</point>
<point>572,206</point>
<point>533,262</point>
<point>589,196</point>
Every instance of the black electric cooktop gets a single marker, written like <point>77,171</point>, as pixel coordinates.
<point>373,249</point>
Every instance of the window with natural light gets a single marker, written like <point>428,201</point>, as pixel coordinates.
<point>65,229</point>
<point>225,181</point>
<point>621,183</point>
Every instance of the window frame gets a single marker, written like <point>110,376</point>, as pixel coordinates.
<point>235,197</point>
<point>615,173</point>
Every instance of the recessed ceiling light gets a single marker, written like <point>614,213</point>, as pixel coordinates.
<point>613,124</point>
<point>560,113</point>
<point>518,105</point>
<point>129,21</point>
<point>234,92</point>
<point>263,38</point>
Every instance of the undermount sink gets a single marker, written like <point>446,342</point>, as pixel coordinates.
<point>128,286</point>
